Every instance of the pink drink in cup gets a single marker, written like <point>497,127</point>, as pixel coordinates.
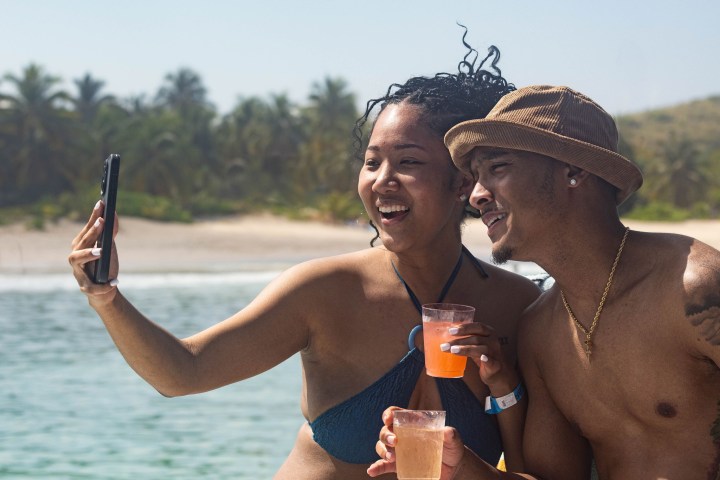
<point>437,319</point>
<point>419,443</point>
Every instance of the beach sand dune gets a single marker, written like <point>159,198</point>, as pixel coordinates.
<point>236,243</point>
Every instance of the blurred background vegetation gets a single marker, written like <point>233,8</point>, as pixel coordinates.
<point>182,160</point>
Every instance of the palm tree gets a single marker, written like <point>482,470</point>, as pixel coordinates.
<point>183,91</point>
<point>680,172</point>
<point>88,100</point>
<point>245,136</point>
<point>185,94</point>
<point>38,122</point>
<point>326,157</point>
<point>159,157</point>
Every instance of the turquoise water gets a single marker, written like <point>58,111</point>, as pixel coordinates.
<point>71,408</point>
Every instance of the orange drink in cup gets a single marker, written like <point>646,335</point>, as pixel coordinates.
<point>419,444</point>
<point>437,319</point>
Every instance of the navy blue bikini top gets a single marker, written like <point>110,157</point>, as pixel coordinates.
<point>349,431</point>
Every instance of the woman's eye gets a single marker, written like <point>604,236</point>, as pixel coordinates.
<point>410,161</point>
<point>371,162</point>
<point>497,166</point>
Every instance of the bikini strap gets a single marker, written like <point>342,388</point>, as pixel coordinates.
<point>475,262</point>
<point>445,289</point>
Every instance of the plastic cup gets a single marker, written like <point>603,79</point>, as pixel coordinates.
<point>418,450</point>
<point>437,319</point>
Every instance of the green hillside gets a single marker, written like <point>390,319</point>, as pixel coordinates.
<point>678,149</point>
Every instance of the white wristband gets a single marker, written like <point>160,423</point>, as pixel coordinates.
<point>496,405</point>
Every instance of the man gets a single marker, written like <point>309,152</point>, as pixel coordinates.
<point>620,357</point>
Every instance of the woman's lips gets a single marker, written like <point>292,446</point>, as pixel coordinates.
<point>392,213</point>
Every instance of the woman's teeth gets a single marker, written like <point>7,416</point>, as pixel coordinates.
<point>393,208</point>
<point>391,211</point>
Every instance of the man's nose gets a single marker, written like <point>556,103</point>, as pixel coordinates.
<point>480,196</point>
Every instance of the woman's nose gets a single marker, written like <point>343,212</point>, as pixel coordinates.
<point>385,181</point>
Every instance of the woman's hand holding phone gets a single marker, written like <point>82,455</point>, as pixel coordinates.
<point>97,276</point>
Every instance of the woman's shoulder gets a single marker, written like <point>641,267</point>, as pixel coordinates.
<point>335,266</point>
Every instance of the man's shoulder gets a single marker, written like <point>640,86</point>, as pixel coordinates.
<point>702,271</point>
<point>505,279</point>
<point>537,317</point>
<point>698,261</point>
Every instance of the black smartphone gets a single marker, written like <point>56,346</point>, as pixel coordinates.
<point>108,193</point>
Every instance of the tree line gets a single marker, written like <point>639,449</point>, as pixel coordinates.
<point>181,158</point>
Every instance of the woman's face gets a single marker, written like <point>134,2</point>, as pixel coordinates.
<point>408,183</point>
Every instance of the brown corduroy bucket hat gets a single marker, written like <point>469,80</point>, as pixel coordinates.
<point>554,121</point>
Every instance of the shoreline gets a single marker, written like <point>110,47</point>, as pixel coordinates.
<point>238,243</point>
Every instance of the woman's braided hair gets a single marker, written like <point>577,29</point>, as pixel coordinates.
<point>446,98</point>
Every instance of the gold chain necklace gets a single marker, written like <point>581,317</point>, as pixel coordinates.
<point>589,333</point>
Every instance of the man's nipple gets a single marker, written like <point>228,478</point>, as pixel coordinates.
<point>665,409</point>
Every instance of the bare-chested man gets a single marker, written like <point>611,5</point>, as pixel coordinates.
<point>620,357</point>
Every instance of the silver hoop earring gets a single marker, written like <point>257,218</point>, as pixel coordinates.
<point>573,182</point>
<point>463,197</point>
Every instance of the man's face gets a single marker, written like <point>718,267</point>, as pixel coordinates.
<point>515,193</point>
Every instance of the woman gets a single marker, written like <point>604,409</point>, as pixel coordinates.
<point>350,316</point>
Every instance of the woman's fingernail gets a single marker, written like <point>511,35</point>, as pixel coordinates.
<point>96,251</point>
<point>391,440</point>
<point>114,282</point>
<point>97,205</point>
<point>97,223</point>
<point>453,330</point>
<point>483,358</point>
<point>454,349</point>
<point>444,347</point>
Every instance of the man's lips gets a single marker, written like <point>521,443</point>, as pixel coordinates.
<point>491,218</point>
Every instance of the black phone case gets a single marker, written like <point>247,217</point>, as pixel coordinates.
<point>108,192</point>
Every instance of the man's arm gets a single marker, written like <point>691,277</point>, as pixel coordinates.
<point>702,305</point>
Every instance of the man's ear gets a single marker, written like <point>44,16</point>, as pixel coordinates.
<point>575,175</point>
<point>466,186</point>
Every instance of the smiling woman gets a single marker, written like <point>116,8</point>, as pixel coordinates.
<point>353,317</point>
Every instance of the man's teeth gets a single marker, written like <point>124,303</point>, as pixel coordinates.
<point>497,219</point>
<point>393,208</point>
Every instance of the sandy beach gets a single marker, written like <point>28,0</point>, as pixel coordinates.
<point>236,243</point>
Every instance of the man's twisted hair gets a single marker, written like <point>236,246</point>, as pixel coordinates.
<point>446,99</point>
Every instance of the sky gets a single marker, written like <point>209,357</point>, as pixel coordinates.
<point>628,55</point>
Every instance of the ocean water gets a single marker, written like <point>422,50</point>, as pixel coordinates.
<point>71,408</point>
